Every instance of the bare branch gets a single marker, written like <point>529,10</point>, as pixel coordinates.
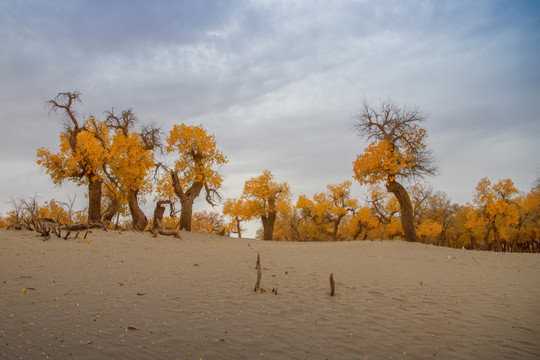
<point>65,101</point>
<point>124,122</point>
<point>151,137</point>
<point>212,195</point>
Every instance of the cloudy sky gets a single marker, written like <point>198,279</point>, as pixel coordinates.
<point>279,82</point>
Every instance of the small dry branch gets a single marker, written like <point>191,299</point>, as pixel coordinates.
<point>332,285</point>
<point>259,275</point>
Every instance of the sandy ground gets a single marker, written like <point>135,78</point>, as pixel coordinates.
<point>131,296</point>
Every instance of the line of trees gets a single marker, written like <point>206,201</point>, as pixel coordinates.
<point>115,158</point>
<point>500,218</point>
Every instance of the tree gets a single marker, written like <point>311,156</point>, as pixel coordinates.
<point>496,213</point>
<point>328,209</point>
<point>234,209</point>
<point>208,222</point>
<point>265,198</point>
<point>398,151</point>
<point>289,226</point>
<point>361,222</point>
<point>528,237</point>
<point>196,168</point>
<point>439,209</point>
<point>130,160</point>
<point>81,154</point>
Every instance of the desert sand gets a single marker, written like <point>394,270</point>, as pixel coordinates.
<point>127,295</point>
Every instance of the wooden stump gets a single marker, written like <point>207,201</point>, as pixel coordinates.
<point>332,285</point>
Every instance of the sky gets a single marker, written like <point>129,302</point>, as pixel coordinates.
<point>278,83</point>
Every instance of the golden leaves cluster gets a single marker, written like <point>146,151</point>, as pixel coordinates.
<point>81,157</point>
<point>335,203</point>
<point>198,158</point>
<point>131,161</point>
<point>381,161</point>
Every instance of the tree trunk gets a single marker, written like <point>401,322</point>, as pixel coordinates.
<point>94,199</point>
<point>186,199</point>
<point>336,226</point>
<point>186,212</point>
<point>158,214</point>
<point>138,218</point>
<point>268,225</point>
<point>406,210</point>
<point>108,214</point>
<point>238,228</point>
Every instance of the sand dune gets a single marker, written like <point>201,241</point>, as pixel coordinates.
<point>131,296</point>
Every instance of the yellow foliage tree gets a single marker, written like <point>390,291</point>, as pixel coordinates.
<point>131,158</point>
<point>362,224</point>
<point>440,210</point>
<point>195,168</point>
<point>289,226</point>
<point>82,154</point>
<point>129,166</point>
<point>398,151</point>
<point>429,229</point>
<point>234,209</point>
<point>528,236</point>
<point>208,222</point>
<point>265,198</point>
<point>496,213</point>
<point>327,210</point>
